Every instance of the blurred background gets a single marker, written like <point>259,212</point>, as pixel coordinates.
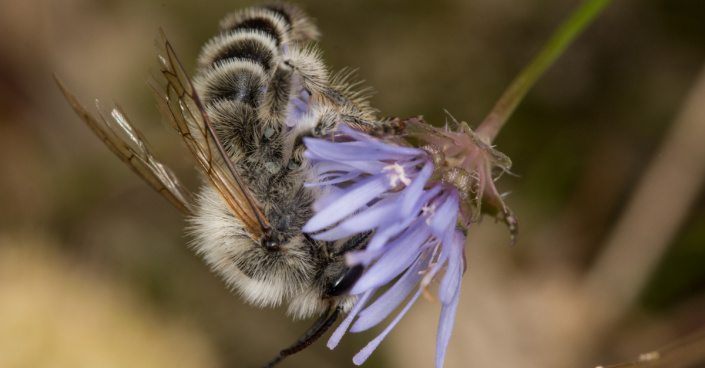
<point>95,269</point>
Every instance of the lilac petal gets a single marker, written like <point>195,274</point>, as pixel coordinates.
<point>348,163</point>
<point>445,328</point>
<point>297,108</point>
<point>353,198</point>
<point>446,213</point>
<point>412,215</point>
<point>442,258</point>
<point>338,192</point>
<point>376,144</point>
<point>398,256</point>
<point>301,101</point>
<point>384,234</point>
<point>362,256</point>
<point>448,240</point>
<point>379,243</point>
<point>355,151</point>
<point>322,166</point>
<point>367,219</point>
<point>376,216</point>
<point>360,357</point>
<point>300,106</point>
<point>333,234</point>
<point>381,237</point>
<point>333,179</point>
<point>450,286</point>
<point>413,191</point>
<point>369,167</point>
<point>330,198</point>
<point>422,201</point>
<point>385,148</point>
<point>343,327</point>
<point>390,300</point>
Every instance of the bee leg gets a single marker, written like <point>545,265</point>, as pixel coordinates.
<point>314,333</point>
<point>356,242</point>
<point>387,127</point>
<point>270,126</point>
<point>273,108</point>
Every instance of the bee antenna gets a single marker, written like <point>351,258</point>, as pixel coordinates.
<point>319,327</point>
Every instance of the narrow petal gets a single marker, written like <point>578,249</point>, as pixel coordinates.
<point>362,256</point>
<point>390,300</point>
<point>409,151</point>
<point>450,286</point>
<point>440,262</point>
<point>355,151</point>
<point>353,198</point>
<point>343,327</point>
<point>369,167</point>
<point>332,179</point>
<point>360,357</point>
<point>372,218</point>
<point>383,235</point>
<point>398,256</point>
<point>333,234</point>
<point>445,328</point>
<point>446,213</point>
<point>361,167</point>
<point>413,191</point>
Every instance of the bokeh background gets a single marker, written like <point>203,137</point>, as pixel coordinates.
<point>95,269</point>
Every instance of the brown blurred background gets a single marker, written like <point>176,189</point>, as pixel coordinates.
<point>95,270</point>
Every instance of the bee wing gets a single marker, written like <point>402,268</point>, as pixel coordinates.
<point>116,131</point>
<point>183,110</point>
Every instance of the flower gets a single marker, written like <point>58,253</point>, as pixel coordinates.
<point>418,202</point>
<point>470,161</point>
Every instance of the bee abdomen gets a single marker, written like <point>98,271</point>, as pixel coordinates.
<point>256,47</point>
<point>234,80</point>
<point>283,22</point>
<point>242,64</point>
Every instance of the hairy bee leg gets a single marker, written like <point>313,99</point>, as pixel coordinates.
<point>327,122</point>
<point>275,101</point>
<point>310,73</point>
<point>393,126</point>
<point>314,333</point>
<point>356,242</point>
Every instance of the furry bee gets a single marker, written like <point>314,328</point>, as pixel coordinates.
<point>260,88</point>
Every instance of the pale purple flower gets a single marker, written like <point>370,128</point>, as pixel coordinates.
<point>413,219</point>
<point>417,202</point>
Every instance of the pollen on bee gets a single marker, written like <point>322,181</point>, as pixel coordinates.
<point>273,167</point>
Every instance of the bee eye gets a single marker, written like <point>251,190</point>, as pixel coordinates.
<point>346,281</point>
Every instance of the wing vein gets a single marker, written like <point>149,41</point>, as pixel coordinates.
<point>181,106</point>
<point>126,142</point>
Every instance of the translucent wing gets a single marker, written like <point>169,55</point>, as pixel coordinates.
<point>116,131</point>
<point>183,110</point>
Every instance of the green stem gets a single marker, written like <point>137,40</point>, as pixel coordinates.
<point>562,38</point>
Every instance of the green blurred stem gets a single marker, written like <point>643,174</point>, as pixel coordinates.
<point>562,38</point>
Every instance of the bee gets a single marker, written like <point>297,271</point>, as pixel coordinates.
<point>260,88</point>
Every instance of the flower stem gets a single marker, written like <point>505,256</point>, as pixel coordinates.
<point>561,39</point>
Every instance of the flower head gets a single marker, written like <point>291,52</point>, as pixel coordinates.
<point>417,202</point>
